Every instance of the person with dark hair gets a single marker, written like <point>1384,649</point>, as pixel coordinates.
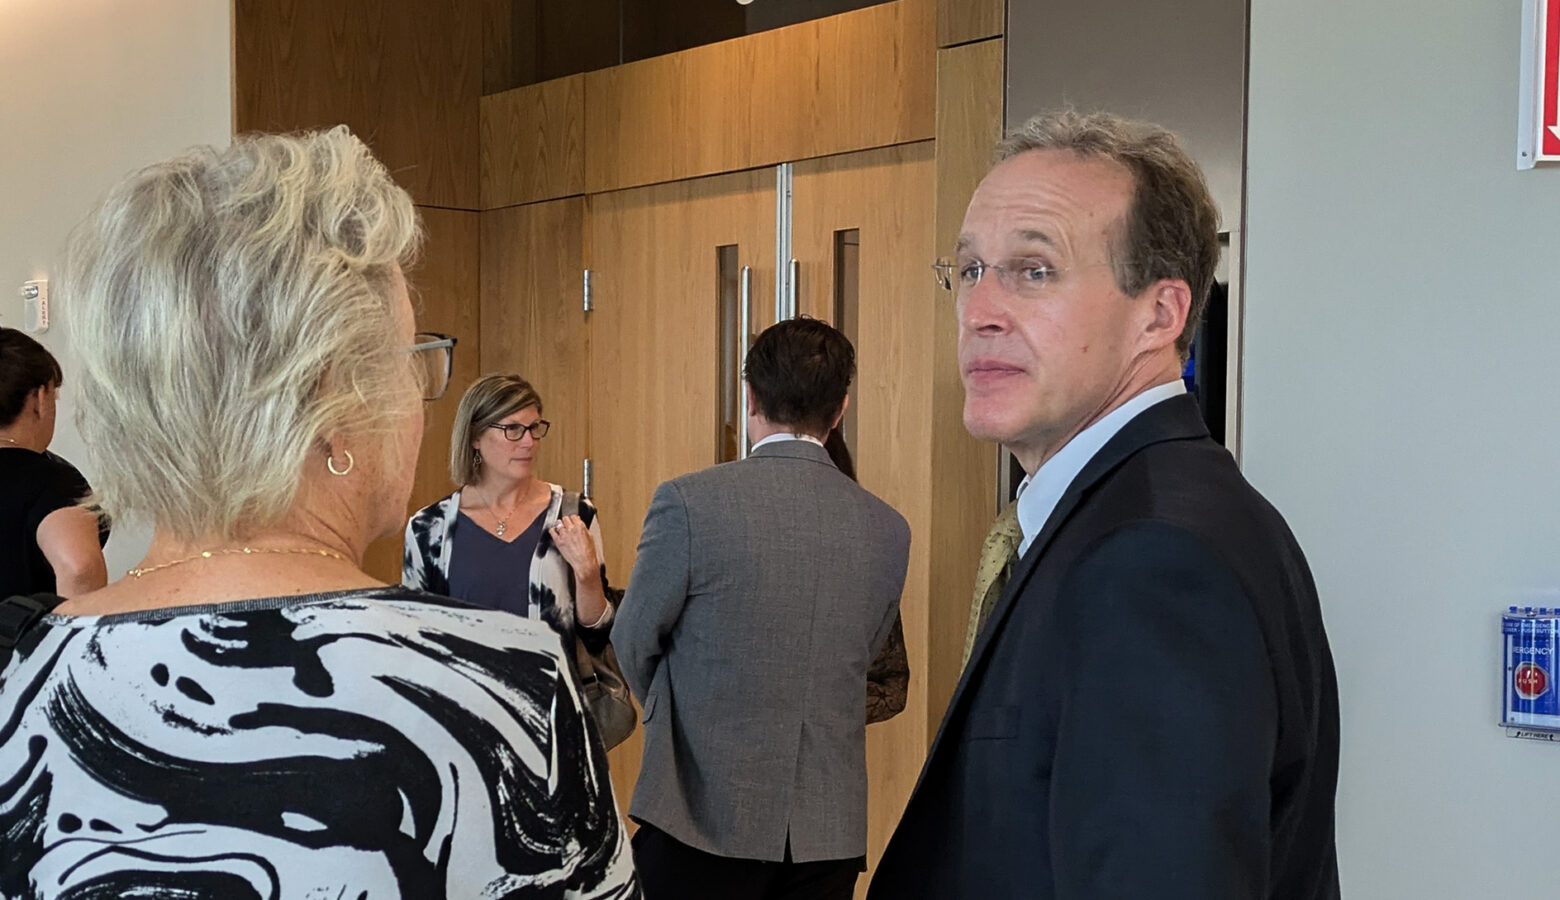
<point>762,592</point>
<point>49,543</point>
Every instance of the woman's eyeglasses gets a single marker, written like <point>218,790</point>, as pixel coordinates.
<point>516,431</point>
<point>435,356</point>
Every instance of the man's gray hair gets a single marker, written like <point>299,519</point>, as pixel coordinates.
<point>1171,229</point>
<point>231,308</point>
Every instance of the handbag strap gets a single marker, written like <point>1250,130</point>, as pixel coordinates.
<point>20,613</point>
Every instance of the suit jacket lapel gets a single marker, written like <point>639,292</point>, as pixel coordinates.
<point>1175,419</point>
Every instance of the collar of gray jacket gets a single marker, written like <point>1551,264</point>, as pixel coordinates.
<point>793,450</point>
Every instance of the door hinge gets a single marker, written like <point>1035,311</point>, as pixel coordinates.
<point>588,300</point>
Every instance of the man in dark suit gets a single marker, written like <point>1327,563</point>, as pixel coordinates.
<point>1150,712</point>
<point>762,591</point>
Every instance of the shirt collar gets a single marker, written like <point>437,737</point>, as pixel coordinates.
<point>1040,491</point>
<point>779,436</point>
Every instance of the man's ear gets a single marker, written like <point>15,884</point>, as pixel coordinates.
<point>1170,302</point>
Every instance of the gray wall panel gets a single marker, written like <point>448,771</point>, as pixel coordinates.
<point>1181,64</point>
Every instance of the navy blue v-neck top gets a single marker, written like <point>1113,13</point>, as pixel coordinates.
<point>492,573</point>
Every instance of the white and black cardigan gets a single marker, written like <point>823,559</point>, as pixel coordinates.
<point>430,544</point>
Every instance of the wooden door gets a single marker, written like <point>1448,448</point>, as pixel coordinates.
<point>534,322</point>
<point>444,293</point>
<point>655,395</point>
<point>867,217</point>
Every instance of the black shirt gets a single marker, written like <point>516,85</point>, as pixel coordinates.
<point>32,485</point>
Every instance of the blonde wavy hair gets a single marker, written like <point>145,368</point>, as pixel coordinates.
<point>230,308</point>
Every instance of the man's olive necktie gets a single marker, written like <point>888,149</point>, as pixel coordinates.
<point>997,556</point>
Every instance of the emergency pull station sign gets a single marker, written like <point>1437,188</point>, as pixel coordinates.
<point>1532,638</point>
<point>1538,120</point>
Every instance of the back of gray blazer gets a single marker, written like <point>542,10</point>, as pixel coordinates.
<point>762,590</point>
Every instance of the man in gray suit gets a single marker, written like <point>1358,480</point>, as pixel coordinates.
<point>762,591</point>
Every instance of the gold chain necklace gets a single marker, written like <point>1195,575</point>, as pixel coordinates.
<point>233,551</point>
<point>11,442</point>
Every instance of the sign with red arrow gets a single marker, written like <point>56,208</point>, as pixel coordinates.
<point>1538,138</point>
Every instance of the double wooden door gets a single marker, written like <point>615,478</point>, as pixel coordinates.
<point>644,384</point>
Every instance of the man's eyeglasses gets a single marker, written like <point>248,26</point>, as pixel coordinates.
<point>435,357</point>
<point>516,431</point>
<point>1025,278</point>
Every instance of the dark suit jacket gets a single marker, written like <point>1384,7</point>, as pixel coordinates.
<point>1151,712</point>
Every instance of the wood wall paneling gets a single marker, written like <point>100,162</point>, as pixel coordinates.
<point>881,92</point>
<point>533,323</point>
<point>500,59</point>
<point>533,143</point>
<point>969,122</point>
<point>444,293</point>
<point>654,390</point>
<point>854,81</point>
<point>887,195</point>
<point>963,21</point>
<point>404,75</point>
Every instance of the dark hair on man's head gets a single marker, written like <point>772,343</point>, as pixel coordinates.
<point>25,366</point>
<point>800,371</point>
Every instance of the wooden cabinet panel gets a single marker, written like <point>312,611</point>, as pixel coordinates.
<point>886,196</point>
<point>533,324</point>
<point>969,123</point>
<point>962,21</point>
<point>654,338</point>
<point>444,293</point>
<point>533,143</point>
<point>404,75</point>
<point>849,82</point>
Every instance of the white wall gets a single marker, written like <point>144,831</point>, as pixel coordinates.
<point>1402,341</point>
<point>90,90</point>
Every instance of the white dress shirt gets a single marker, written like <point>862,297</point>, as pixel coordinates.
<point>1039,492</point>
<point>783,436</point>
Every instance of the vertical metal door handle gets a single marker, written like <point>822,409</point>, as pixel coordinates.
<point>796,278</point>
<point>745,327</point>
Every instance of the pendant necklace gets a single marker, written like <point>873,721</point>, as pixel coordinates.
<point>503,524</point>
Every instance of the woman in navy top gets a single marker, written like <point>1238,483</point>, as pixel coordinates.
<point>507,539</point>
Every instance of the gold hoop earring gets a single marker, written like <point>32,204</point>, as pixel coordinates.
<point>330,463</point>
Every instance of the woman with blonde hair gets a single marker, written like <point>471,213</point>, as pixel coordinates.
<point>507,540</point>
<point>248,714</point>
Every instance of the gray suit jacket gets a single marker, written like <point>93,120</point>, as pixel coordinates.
<point>762,591</point>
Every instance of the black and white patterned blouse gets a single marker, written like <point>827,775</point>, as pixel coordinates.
<point>430,549</point>
<point>347,746</point>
